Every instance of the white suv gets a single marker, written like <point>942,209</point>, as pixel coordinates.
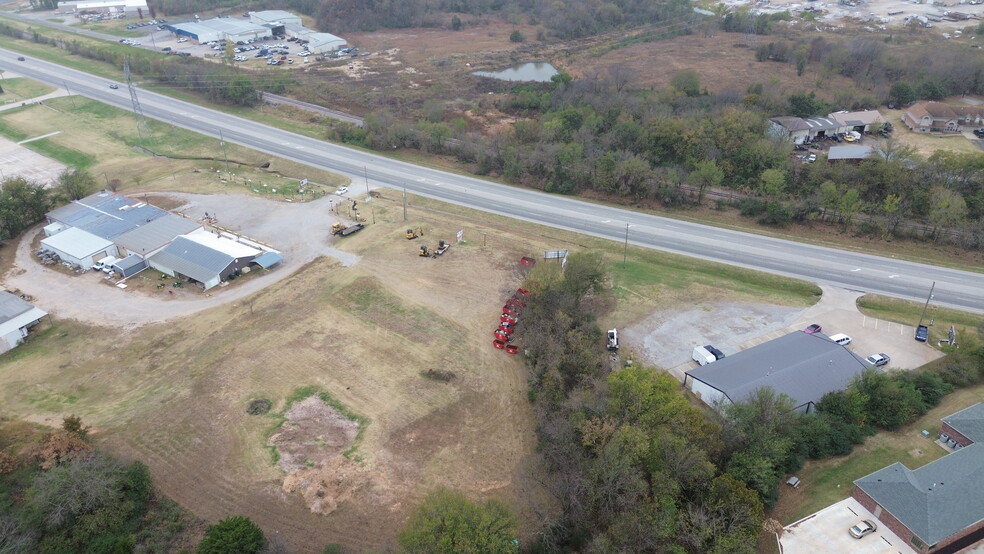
<point>841,339</point>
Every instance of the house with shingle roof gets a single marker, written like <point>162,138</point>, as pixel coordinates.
<point>938,507</point>
<point>936,117</point>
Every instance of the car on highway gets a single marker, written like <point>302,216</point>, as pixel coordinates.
<point>114,86</point>
<point>341,191</point>
<point>863,529</point>
<point>813,328</point>
<point>20,58</point>
<point>878,360</point>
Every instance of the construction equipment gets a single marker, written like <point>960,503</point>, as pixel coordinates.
<point>414,233</point>
<point>442,247</point>
<point>424,253</point>
<point>339,228</point>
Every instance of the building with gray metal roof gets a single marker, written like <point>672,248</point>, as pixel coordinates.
<point>849,152</point>
<point>148,239</point>
<point>17,316</point>
<point>940,506</point>
<point>200,263</point>
<point>802,366</point>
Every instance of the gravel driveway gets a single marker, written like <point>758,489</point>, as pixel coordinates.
<point>301,232</point>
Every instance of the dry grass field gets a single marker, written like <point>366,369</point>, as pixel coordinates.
<point>175,395</point>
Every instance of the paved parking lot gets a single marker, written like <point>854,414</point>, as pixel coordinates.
<point>826,531</point>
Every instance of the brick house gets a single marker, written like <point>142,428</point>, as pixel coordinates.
<point>926,117</point>
<point>939,507</point>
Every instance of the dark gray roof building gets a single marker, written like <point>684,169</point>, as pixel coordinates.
<point>802,366</point>
<point>939,506</point>
<point>969,422</point>
<point>935,501</point>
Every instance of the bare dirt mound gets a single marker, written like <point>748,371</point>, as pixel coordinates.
<point>313,433</point>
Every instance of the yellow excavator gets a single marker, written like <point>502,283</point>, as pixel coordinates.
<point>414,233</point>
<point>424,252</point>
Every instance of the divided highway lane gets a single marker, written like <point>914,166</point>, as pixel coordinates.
<point>842,268</point>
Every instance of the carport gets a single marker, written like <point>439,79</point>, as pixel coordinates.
<point>826,531</point>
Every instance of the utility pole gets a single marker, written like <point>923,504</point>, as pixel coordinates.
<point>69,93</point>
<point>625,253</point>
<point>372,210</point>
<point>926,305</point>
<point>404,202</point>
<point>224,151</point>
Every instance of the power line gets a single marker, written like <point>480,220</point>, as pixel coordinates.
<point>138,114</point>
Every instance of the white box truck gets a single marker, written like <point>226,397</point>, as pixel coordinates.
<point>702,356</point>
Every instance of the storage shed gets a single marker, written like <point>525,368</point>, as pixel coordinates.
<point>17,317</point>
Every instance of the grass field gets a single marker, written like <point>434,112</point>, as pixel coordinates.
<point>17,89</point>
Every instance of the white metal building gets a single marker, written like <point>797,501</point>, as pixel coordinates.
<point>219,28</point>
<point>274,17</point>
<point>106,6</point>
<point>17,316</point>
<point>76,246</point>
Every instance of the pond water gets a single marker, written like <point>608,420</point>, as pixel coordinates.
<point>531,71</point>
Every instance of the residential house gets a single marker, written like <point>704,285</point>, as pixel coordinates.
<point>17,317</point>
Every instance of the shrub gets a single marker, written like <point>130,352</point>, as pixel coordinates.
<point>258,406</point>
<point>751,207</point>
<point>233,535</point>
<point>516,36</point>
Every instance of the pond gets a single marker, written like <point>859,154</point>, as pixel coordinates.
<point>531,71</point>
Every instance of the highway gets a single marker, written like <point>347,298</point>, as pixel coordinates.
<point>846,269</point>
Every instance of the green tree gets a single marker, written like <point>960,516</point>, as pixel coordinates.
<point>74,184</point>
<point>687,82</point>
<point>706,175</point>
<point>902,94</point>
<point>773,182</point>
<point>73,425</point>
<point>850,205</point>
<point>517,36</point>
<point>233,535</point>
<point>806,105</point>
<point>22,204</point>
<point>456,24</point>
<point>947,208</point>
<point>447,522</point>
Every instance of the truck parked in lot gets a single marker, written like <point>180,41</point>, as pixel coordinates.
<point>703,356</point>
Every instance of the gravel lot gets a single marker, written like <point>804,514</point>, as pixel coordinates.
<point>666,339</point>
<point>301,232</point>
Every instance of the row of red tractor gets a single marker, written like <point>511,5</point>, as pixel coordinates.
<point>508,321</point>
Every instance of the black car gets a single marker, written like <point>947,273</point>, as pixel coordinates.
<point>718,355</point>
<point>20,58</point>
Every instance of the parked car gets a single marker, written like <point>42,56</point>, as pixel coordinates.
<point>922,333</point>
<point>841,339</point>
<point>718,355</point>
<point>813,328</point>
<point>878,360</point>
<point>863,529</point>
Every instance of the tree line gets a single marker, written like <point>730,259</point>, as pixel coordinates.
<point>598,134</point>
<point>24,202</point>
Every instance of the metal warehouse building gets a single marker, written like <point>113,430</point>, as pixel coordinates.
<point>17,317</point>
<point>203,258</point>
<point>802,366</point>
<point>220,28</point>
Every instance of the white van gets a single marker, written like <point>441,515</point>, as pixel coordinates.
<point>702,356</point>
<point>841,339</point>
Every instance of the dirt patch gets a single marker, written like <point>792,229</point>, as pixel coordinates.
<point>313,432</point>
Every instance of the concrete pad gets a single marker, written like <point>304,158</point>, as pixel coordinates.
<point>826,531</point>
<point>19,161</point>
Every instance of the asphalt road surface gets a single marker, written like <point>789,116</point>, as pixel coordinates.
<point>846,269</point>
